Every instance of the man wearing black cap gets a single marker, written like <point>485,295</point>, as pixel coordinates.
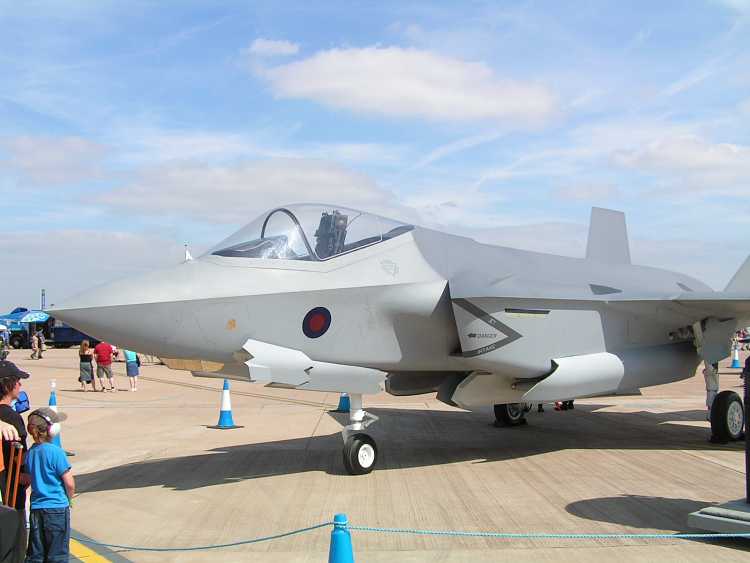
<point>10,387</point>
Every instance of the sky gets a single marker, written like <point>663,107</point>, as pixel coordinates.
<point>128,129</point>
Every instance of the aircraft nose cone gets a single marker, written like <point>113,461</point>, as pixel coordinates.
<point>103,312</point>
<point>131,312</point>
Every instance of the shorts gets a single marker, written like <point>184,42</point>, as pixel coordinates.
<point>131,368</point>
<point>101,371</point>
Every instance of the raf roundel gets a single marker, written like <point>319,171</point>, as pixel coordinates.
<point>316,322</point>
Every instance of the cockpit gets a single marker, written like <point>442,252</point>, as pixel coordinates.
<point>309,232</point>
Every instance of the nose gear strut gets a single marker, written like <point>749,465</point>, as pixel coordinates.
<point>360,451</point>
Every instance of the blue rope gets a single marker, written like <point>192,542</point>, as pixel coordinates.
<point>497,535</point>
<point>203,547</point>
<point>544,536</point>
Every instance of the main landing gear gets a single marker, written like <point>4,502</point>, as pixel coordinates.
<point>727,417</point>
<point>360,450</point>
<point>511,414</point>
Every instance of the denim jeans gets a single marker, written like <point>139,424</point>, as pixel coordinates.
<point>49,536</point>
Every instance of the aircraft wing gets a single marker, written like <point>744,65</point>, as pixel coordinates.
<point>720,304</point>
<point>492,314</point>
<point>733,303</point>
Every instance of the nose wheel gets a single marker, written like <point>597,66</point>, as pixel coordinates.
<point>360,451</point>
<point>360,454</point>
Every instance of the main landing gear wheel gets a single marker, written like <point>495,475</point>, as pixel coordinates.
<point>510,414</point>
<point>727,417</point>
<point>360,454</point>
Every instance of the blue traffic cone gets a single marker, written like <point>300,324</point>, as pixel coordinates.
<point>53,405</point>
<point>341,550</point>
<point>344,405</point>
<point>226,422</point>
<point>736,359</point>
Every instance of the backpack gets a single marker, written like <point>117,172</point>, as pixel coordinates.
<point>22,403</point>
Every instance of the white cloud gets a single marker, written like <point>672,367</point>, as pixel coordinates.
<point>155,145</point>
<point>238,192</point>
<point>695,77</point>
<point>97,256</point>
<point>272,48</point>
<point>720,167</point>
<point>603,136</point>
<point>739,6</point>
<point>47,161</point>
<point>588,192</point>
<point>375,153</point>
<point>457,146</point>
<point>410,83</point>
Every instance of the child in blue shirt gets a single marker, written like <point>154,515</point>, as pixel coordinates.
<point>52,487</point>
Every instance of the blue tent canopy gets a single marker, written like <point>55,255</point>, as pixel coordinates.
<point>34,317</point>
<point>23,315</point>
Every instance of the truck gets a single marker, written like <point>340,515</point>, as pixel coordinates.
<point>21,322</point>
<point>64,336</point>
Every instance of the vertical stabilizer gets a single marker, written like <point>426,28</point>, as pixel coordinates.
<point>741,280</point>
<point>608,237</point>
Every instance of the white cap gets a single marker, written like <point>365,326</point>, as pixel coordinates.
<point>3,327</point>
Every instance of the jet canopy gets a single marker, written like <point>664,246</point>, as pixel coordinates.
<point>308,232</point>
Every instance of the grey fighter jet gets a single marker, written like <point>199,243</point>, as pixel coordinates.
<point>324,298</point>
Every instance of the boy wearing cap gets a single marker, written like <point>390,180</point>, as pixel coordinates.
<point>52,487</point>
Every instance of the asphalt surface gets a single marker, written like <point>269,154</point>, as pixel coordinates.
<point>151,473</point>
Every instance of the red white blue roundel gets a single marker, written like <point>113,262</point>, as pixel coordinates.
<point>316,322</point>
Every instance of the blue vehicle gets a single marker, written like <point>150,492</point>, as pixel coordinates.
<point>21,322</point>
<point>65,336</point>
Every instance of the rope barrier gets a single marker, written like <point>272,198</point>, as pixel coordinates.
<point>205,547</point>
<point>412,531</point>
<point>543,536</point>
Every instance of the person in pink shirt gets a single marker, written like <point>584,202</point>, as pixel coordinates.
<point>103,354</point>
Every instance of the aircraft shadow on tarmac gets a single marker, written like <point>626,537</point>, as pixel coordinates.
<point>636,511</point>
<point>416,438</point>
<point>652,513</point>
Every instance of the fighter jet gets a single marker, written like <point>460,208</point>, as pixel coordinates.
<point>325,298</point>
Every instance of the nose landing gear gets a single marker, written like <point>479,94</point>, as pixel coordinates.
<point>360,450</point>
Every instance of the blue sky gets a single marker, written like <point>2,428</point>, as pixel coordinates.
<point>129,128</point>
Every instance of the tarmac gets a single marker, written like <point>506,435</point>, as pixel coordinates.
<point>150,472</point>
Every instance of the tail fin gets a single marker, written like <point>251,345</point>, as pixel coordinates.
<point>741,280</point>
<point>608,237</point>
